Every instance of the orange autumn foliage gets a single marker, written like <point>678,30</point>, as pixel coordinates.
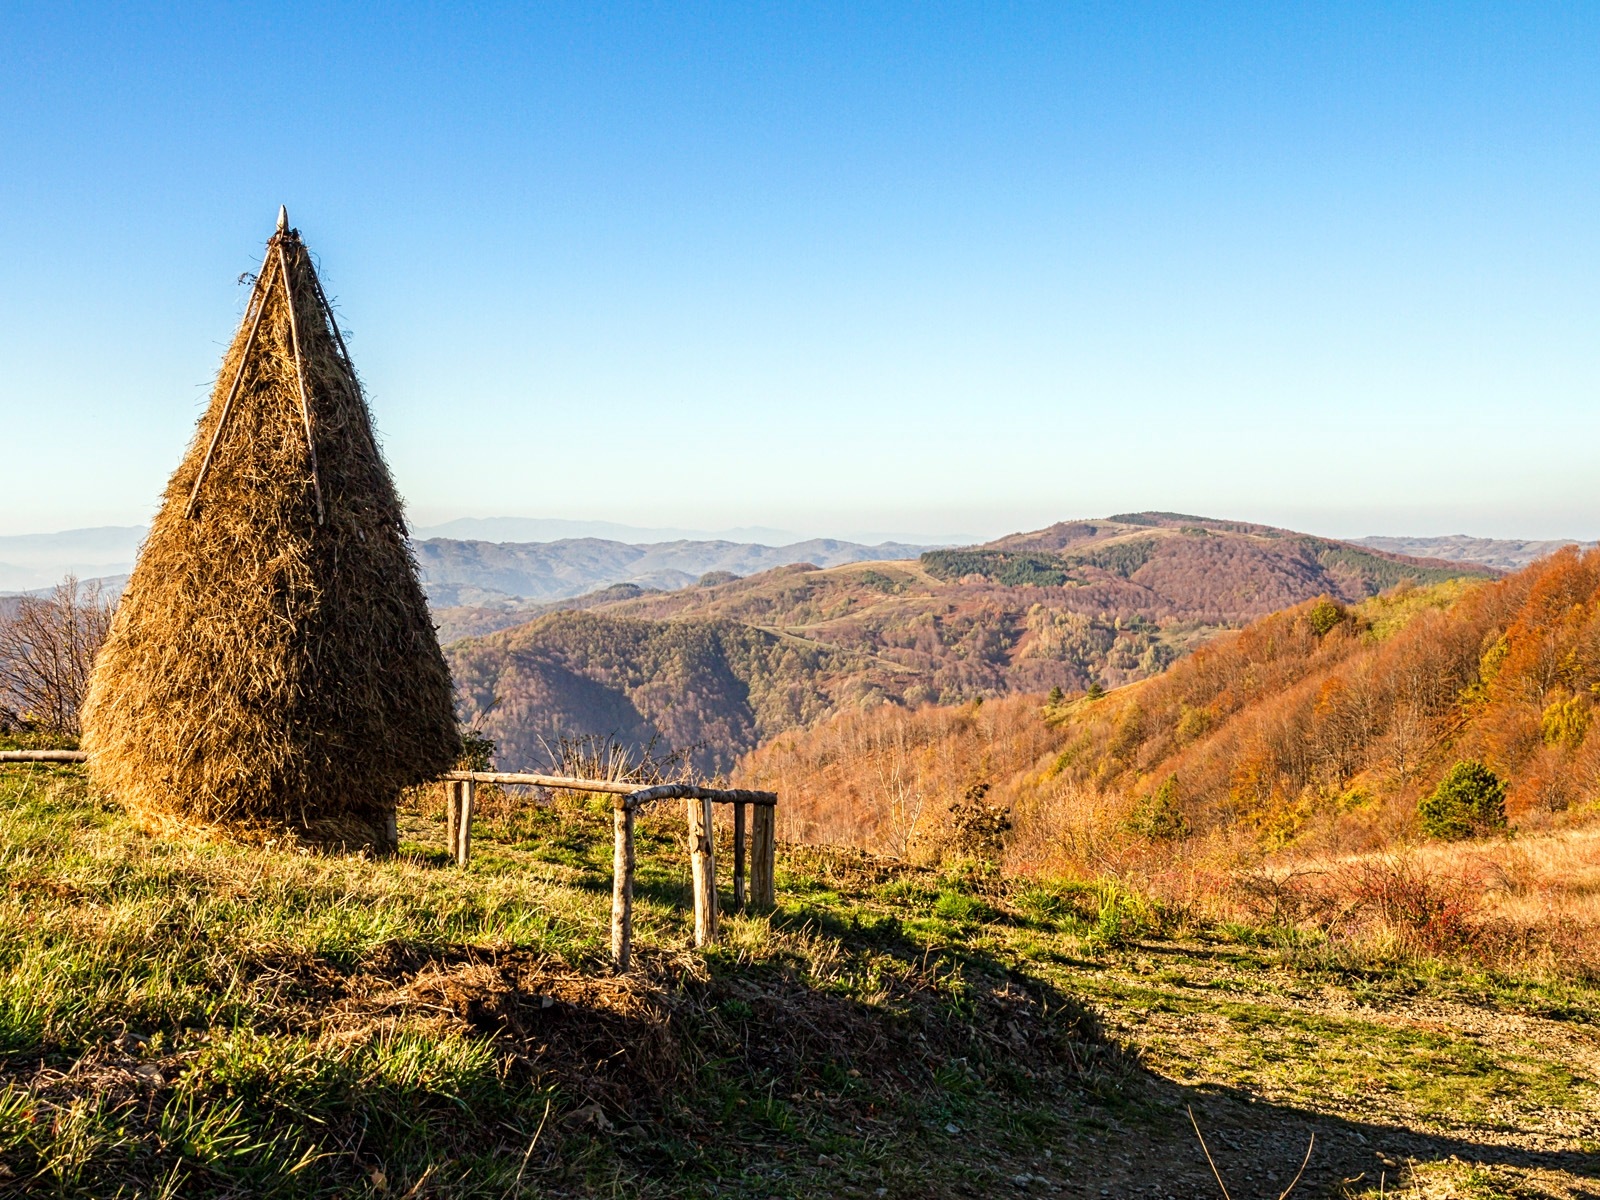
<point>1316,727</point>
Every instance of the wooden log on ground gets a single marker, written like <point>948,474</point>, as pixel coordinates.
<point>763,857</point>
<point>738,856</point>
<point>45,756</point>
<point>703,871</point>
<point>464,826</point>
<point>622,886</point>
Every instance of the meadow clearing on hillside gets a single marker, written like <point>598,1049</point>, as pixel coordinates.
<point>187,1016</point>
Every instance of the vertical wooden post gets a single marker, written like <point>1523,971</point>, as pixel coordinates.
<point>452,814</point>
<point>622,884</point>
<point>464,825</point>
<point>738,855</point>
<point>763,855</point>
<point>703,868</point>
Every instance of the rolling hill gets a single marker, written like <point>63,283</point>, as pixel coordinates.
<point>1103,601</point>
<point>1316,729</point>
<point>709,689</point>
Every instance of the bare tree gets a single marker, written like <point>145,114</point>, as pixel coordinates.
<point>47,650</point>
<point>901,785</point>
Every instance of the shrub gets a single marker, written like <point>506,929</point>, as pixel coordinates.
<point>979,828</point>
<point>1124,916</point>
<point>1324,615</point>
<point>477,751</point>
<point>1193,723</point>
<point>1564,723</point>
<point>1159,815</point>
<point>47,649</point>
<point>1470,801</point>
<point>1434,913</point>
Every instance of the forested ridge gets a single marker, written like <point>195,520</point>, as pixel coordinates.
<point>720,667</point>
<point>708,689</point>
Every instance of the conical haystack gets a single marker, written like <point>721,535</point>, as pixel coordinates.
<point>272,661</point>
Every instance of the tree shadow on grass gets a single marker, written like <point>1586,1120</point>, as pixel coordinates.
<point>964,1022</point>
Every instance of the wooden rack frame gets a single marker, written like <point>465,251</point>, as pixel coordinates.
<point>628,799</point>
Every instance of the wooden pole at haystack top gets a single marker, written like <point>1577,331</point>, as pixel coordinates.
<point>272,661</point>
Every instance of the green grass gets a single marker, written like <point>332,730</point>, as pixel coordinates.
<point>198,1018</point>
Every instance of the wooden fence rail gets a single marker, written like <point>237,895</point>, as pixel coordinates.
<point>627,800</point>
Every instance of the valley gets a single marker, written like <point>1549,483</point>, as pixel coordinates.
<point>1081,604</point>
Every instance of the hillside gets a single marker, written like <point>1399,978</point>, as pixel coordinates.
<point>1103,602</point>
<point>1316,729</point>
<point>1329,724</point>
<point>193,1017</point>
<point>1215,571</point>
<point>709,689</point>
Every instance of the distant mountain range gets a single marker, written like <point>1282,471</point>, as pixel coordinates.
<point>459,572</point>
<point>545,529</point>
<point>31,561</point>
<point>538,561</point>
<point>719,667</point>
<point>486,577</point>
<point>549,529</point>
<point>1504,553</point>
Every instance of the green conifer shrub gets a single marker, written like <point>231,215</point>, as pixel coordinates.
<point>1470,801</point>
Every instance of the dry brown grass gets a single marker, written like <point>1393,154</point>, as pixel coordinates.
<point>272,660</point>
<point>1530,904</point>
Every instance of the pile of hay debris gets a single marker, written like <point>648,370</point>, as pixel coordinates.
<point>272,663</point>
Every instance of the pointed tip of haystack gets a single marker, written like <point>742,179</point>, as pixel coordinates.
<point>283,218</point>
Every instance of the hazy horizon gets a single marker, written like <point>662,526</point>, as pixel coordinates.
<point>977,531</point>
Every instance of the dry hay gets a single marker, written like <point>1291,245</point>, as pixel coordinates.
<point>272,662</point>
<point>632,1043</point>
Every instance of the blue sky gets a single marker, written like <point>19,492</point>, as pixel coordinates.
<point>911,269</point>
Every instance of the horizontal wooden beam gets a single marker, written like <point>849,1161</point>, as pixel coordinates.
<point>636,794</point>
<point>550,781</point>
<point>685,791</point>
<point>56,756</point>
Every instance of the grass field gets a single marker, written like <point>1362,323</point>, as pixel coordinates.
<point>191,1017</point>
